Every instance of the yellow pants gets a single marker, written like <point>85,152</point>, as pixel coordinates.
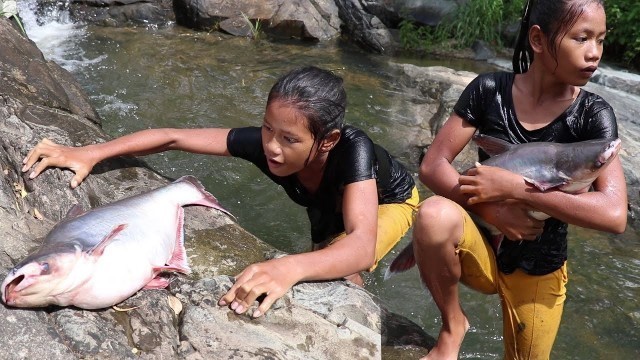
<point>394,220</point>
<point>531,304</point>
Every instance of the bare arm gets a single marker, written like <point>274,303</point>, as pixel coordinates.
<point>437,173</point>
<point>82,159</point>
<point>604,208</point>
<point>355,252</point>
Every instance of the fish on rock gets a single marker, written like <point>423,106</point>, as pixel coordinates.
<point>568,167</point>
<point>98,258</point>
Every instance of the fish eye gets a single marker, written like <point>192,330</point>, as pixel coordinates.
<point>45,269</point>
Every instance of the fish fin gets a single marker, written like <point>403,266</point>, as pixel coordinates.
<point>158,282</point>
<point>178,260</point>
<point>99,248</point>
<point>75,211</point>
<point>492,146</point>
<point>403,262</point>
<point>208,199</point>
<point>538,215</point>
<point>545,185</point>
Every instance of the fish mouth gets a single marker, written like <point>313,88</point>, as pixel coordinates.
<point>9,289</point>
<point>609,152</point>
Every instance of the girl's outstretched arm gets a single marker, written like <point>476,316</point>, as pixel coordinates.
<point>353,253</point>
<point>81,160</point>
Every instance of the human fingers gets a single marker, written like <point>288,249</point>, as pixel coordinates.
<point>36,153</point>
<point>80,175</point>
<point>245,275</point>
<point>466,180</point>
<point>245,294</point>
<point>265,305</point>
<point>533,229</point>
<point>40,167</point>
<point>231,294</point>
<point>471,172</point>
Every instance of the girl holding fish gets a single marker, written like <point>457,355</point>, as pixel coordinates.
<point>359,199</point>
<point>559,47</point>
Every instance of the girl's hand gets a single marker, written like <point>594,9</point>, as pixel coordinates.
<point>512,218</point>
<point>273,278</point>
<point>488,183</point>
<point>50,154</point>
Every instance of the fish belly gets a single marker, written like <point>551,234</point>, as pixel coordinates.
<point>127,264</point>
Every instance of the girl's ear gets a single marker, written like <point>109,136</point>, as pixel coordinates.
<point>329,141</point>
<point>537,39</point>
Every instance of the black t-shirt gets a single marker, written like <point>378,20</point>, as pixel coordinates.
<point>487,104</point>
<point>354,158</point>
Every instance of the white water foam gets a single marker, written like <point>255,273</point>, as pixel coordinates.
<point>55,34</point>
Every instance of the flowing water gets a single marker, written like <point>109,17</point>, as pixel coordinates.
<point>174,77</point>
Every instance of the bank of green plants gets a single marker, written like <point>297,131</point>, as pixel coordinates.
<point>623,38</point>
<point>473,20</point>
<point>486,19</point>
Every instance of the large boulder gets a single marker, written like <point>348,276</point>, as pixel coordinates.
<point>365,29</point>
<point>123,12</point>
<point>302,19</point>
<point>425,12</point>
<point>319,320</point>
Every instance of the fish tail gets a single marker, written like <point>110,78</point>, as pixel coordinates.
<point>207,199</point>
<point>403,262</point>
<point>178,260</point>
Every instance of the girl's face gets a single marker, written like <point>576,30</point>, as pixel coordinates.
<point>580,50</point>
<point>286,140</point>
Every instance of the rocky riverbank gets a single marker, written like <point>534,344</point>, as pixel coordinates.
<point>324,320</point>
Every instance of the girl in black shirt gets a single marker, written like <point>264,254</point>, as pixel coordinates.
<point>360,200</point>
<point>559,48</point>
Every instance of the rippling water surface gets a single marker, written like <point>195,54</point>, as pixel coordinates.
<point>142,78</point>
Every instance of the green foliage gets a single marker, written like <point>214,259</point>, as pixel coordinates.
<point>414,37</point>
<point>474,20</point>
<point>17,20</point>
<point>255,28</point>
<point>484,19</point>
<point>623,36</point>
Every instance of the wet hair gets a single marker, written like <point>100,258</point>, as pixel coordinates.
<point>317,94</point>
<point>555,18</point>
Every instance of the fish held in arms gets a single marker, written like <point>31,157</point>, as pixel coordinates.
<point>568,167</point>
<point>98,258</point>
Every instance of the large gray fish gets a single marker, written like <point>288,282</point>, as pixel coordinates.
<point>100,257</point>
<point>570,168</point>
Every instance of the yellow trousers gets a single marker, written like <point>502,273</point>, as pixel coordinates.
<point>531,305</point>
<point>394,220</point>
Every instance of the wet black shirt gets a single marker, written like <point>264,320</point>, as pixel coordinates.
<point>487,104</point>
<point>354,158</point>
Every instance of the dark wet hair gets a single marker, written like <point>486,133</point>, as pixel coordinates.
<point>555,18</point>
<point>317,94</point>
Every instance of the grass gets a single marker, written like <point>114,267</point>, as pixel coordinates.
<point>17,20</point>
<point>255,27</point>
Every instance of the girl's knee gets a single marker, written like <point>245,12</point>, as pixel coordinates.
<point>438,218</point>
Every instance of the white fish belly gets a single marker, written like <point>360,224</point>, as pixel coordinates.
<point>127,263</point>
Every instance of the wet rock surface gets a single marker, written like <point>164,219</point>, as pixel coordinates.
<point>320,320</point>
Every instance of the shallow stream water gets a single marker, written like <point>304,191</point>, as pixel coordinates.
<point>175,77</point>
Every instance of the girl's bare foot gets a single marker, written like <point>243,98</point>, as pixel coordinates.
<point>449,341</point>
